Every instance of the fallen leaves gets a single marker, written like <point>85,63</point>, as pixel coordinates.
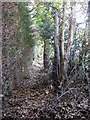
<point>39,103</point>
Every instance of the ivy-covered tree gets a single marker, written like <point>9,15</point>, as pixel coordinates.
<point>26,40</point>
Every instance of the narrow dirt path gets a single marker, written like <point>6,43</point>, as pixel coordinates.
<point>35,100</point>
<point>29,100</point>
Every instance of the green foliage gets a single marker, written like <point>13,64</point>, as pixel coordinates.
<point>45,22</point>
<point>77,65</point>
<point>25,24</point>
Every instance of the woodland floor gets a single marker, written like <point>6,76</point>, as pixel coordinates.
<point>36,100</point>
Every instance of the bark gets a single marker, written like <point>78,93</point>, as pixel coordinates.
<point>1,82</point>
<point>61,47</point>
<point>56,45</point>
<point>88,53</point>
<point>70,35</point>
<point>46,54</point>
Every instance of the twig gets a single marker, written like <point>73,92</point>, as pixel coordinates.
<point>63,94</point>
<point>68,85</point>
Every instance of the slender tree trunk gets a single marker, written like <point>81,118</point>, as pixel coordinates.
<point>61,47</point>
<point>46,54</point>
<point>57,51</point>
<point>70,34</point>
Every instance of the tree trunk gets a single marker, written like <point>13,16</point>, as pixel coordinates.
<point>1,82</point>
<point>46,54</point>
<point>61,47</point>
<point>70,35</point>
<point>88,53</point>
<point>57,52</point>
